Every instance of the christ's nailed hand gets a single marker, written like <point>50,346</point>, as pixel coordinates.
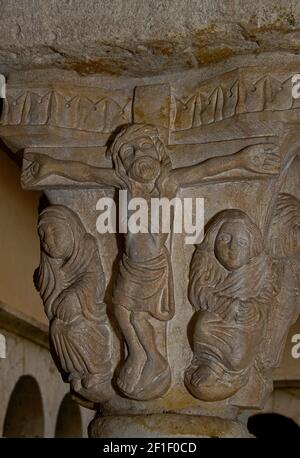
<point>261,158</point>
<point>38,168</point>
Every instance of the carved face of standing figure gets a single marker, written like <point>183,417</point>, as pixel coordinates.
<point>233,245</point>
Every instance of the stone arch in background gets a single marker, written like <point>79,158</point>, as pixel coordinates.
<point>286,401</point>
<point>281,416</point>
<point>69,422</point>
<point>25,413</point>
<point>270,425</point>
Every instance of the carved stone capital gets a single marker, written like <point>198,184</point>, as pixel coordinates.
<point>143,325</point>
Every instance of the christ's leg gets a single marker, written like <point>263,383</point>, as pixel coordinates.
<point>155,364</point>
<point>132,368</point>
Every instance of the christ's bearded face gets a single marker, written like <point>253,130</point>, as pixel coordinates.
<point>140,159</point>
<point>233,245</point>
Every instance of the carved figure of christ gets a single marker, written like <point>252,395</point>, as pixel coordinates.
<point>142,167</point>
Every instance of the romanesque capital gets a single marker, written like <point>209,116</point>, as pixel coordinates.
<point>143,324</point>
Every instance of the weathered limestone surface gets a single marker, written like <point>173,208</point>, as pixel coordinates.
<point>145,326</point>
<point>166,425</point>
<point>141,37</point>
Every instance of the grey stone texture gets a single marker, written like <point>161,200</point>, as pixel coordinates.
<point>139,37</point>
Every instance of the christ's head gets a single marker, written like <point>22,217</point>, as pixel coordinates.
<point>138,153</point>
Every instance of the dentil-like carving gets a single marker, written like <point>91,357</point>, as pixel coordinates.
<point>71,112</point>
<point>237,93</point>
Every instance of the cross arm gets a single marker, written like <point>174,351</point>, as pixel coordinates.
<point>37,167</point>
<point>262,159</point>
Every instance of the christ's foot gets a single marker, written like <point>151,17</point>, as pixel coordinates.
<point>154,366</point>
<point>129,375</point>
<point>155,379</point>
<point>202,375</point>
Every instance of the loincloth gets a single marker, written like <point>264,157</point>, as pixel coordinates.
<point>146,286</point>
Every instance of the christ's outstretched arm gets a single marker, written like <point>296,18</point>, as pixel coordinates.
<point>255,159</point>
<point>42,166</point>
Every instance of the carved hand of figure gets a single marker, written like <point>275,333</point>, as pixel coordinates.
<point>38,168</point>
<point>68,307</point>
<point>261,158</point>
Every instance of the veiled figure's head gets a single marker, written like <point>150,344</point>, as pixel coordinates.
<point>68,253</point>
<point>56,239</point>
<point>231,244</point>
<point>59,229</point>
<point>233,238</point>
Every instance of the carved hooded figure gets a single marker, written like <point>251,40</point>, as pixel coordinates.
<point>71,284</point>
<point>232,286</point>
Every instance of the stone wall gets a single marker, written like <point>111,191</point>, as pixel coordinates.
<point>19,242</point>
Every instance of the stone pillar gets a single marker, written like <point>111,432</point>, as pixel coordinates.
<point>161,337</point>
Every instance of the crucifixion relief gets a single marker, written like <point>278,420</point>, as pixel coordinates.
<point>216,341</point>
<point>144,285</point>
